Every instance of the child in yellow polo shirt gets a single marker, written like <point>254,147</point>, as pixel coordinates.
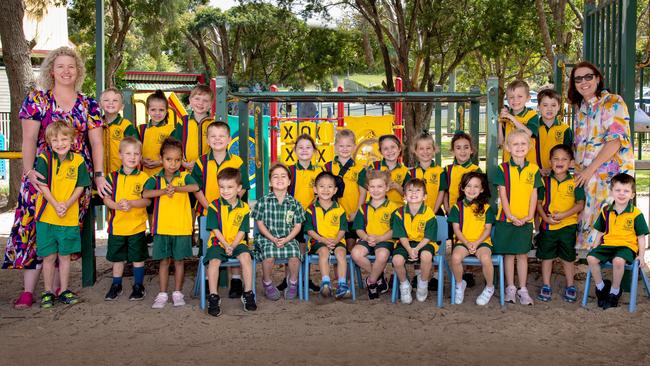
<point>172,219</point>
<point>623,229</point>
<point>326,224</point>
<point>57,209</point>
<point>552,131</point>
<point>127,220</point>
<point>303,175</point>
<point>193,132</point>
<point>416,228</point>
<point>390,148</point>
<point>518,117</point>
<point>372,225</point>
<point>154,132</point>
<point>115,128</point>
<point>517,181</point>
<point>424,149</point>
<point>559,201</point>
<point>472,219</point>
<point>462,148</point>
<point>228,222</point>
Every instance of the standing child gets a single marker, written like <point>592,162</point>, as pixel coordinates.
<point>426,169</point>
<point>115,128</point>
<point>57,209</point>
<point>517,181</point>
<point>462,148</point>
<point>154,132</point>
<point>623,229</point>
<point>193,132</point>
<point>372,225</point>
<point>279,218</point>
<point>552,131</point>
<point>229,223</point>
<point>326,225</point>
<point>127,222</point>
<point>172,219</point>
<point>472,219</point>
<point>559,201</point>
<point>391,150</point>
<point>416,228</point>
<point>518,117</point>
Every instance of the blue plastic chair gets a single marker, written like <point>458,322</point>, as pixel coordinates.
<point>285,261</point>
<point>497,260</point>
<point>636,269</point>
<point>313,259</point>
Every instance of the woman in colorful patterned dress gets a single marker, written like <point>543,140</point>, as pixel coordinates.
<point>602,142</point>
<point>62,74</point>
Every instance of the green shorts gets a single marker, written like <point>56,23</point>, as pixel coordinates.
<point>129,248</point>
<point>482,245</point>
<point>511,239</point>
<point>606,253</point>
<point>371,250</point>
<point>400,250</point>
<point>559,243</point>
<point>53,239</point>
<point>172,246</point>
<point>218,252</point>
<point>316,246</point>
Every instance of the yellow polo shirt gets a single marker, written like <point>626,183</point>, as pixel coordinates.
<point>128,187</point>
<point>205,174</point>
<point>62,178</point>
<point>193,135</point>
<point>415,225</point>
<point>431,176</point>
<point>171,215</point>
<point>375,220</point>
<point>519,183</point>
<point>326,222</point>
<point>472,223</point>
<point>559,133</point>
<point>399,174</point>
<point>451,176</point>
<point>530,119</point>
<point>302,183</point>
<point>354,178</point>
<point>621,230</point>
<point>228,219</point>
<point>560,196</point>
<point>114,132</point>
<point>152,137</point>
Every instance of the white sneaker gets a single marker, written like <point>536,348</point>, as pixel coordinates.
<point>421,293</point>
<point>460,293</point>
<point>405,293</point>
<point>485,296</point>
<point>178,298</point>
<point>160,301</point>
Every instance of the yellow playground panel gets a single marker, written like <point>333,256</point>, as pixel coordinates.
<point>175,113</point>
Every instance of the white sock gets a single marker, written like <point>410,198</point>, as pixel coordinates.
<point>614,291</point>
<point>325,279</point>
<point>600,285</point>
<point>236,277</point>
<point>423,284</point>
<point>405,283</point>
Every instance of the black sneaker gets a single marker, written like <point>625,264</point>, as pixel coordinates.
<point>113,292</point>
<point>382,285</point>
<point>433,284</point>
<point>248,299</point>
<point>283,285</point>
<point>214,305</point>
<point>47,300</point>
<point>68,297</point>
<point>612,300</point>
<point>313,287</point>
<point>469,279</point>
<point>236,288</point>
<point>138,293</point>
<point>602,294</point>
<point>373,291</point>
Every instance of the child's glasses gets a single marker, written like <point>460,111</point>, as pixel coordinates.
<point>579,79</point>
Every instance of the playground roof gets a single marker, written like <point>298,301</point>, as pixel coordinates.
<point>165,81</point>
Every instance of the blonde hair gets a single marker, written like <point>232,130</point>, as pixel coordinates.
<point>202,89</point>
<point>518,84</point>
<point>378,174</point>
<point>345,133</point>
<point>113,90</point>
<point>59,127</point>
<point>130,141</point>
<point>45,78</point>
<point>515,133</point>
<point>423,136</point>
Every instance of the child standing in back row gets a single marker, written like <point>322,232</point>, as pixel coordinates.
<point>115,128</point>
<point>426,169</point>
<point>193,133</point>
<point>552,131</point>
<point>518,117</point>
<point>154,132</point>
<point>462,148</point>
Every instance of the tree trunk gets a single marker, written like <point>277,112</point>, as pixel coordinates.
<point>16,53</point>
<point>543,28</point>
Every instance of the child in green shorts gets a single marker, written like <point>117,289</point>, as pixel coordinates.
<point>559,201</point>
<point>57,209</point>
<point>171,220</point>
<point>416,228</point>
<point>127,220</point>
<point>228,222</point>
<point>622,228</point>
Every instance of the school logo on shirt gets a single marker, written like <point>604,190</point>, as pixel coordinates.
<point>433,179</point>
<point>558,135</point>
<point>117,134</point>
<point>288,218</point>
<point>421,226</point>
<point>238,219</point>
<point>570,189</point>
<point>629,224</point>
<point>312,181</point>
<point>352,175</point>
<point>161,138</point>
<point>480,215</point>
<point>335,219</point>
<point>529,178</point>
<point>385,218</point>
<point>137,189</point>
<point>399,178</point>
<point>71,173</point>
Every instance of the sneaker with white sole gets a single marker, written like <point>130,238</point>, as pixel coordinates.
<point>485,296</point>
<point>460,293</point>
<point>421,293</point>
<point>160,301</point>
<point>405,293</point>
<point>178,298</point>
<point>523,296</point>
<point>511,294</point>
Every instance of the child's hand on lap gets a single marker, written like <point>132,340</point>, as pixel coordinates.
<point>413,254</point>
<point>228,250</point>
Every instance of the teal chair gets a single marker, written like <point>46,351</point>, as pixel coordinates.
<point>313,259</point>
<point>636,269</point>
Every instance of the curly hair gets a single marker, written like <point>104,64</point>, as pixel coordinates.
<point>45,78</point>
<point>482,199</point>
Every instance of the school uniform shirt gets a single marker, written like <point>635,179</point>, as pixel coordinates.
<point>451,177</point>
<point>519,183</point>
<point>621,230</point>
<point>171,215</point>
<point>128,187</point>
<point>193,135</point>
<point>530,119</point>
<point>472,224</point>
<point>375,220</point>
<point>152,137</point>
<point>302,183</point>
<point>205,174</point>
<point>560,196</point>
<point>326,222</point>
<point>114,132</point>
<point>354,178</point>
<point>549,137</point>
<point>415,225</point>
<point>399,174</point>
<point>228,219</point>
<point>431,176</point>
<point>62,178</point>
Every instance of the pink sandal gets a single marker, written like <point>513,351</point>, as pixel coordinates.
<point>24,301</point>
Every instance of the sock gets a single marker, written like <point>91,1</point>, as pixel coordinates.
<point>489,288</point>
<point>600,285</point>
<point>371,281</point>
<point>423,284</point>
<point>138,275</point>
<point>614,291</point>
<point>292,282</point>
<point>405,283</point>
<point>267,283</point>
<point>325,279</point>
<point>236,277</point>
<point>117,280</point>
<point>459,285</point>
<point>342,281</point>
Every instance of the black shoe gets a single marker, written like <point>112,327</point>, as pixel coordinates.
<point>236,288</point>
<point>612,300</point>
<point>113,292</point>
<point>469,279</point>
<point>214,305</point>
<point>138,293</point>
<point>313,287</point>
<point>382,285</point>
<point>433,284</point>
<point>373,291</point>
<point>414,282</point>
<point>283,285</point>
<point>248,299</point>
<point>602,294</point>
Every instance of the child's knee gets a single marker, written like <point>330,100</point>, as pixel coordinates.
<point>214,263</point>
<point>398,260</point>
<point>244,258</point>
<point>426,257</point>
<point>592,260</point>
<point>618,262</point>
<point>457,257</point>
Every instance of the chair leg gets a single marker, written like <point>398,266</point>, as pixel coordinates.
<point>254,277</point>
<point>452,282</point>
<point>351,274</point>
<point>201,278</point>
<point>393,295</point>
<point>441,280</point>
<point>585,296</point>
<point>359,276</point>
<point>304,290</point>
<point>646,283</point>
<point>196,288</point>
<point>634,286</point>
<point>502,294</point>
